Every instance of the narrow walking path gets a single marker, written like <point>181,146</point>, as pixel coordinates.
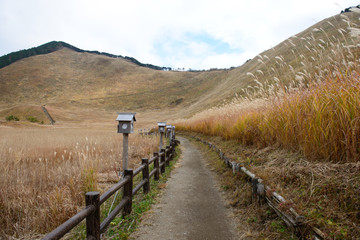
<point>191,206</point>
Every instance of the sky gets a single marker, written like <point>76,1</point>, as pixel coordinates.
<point>190,34</point>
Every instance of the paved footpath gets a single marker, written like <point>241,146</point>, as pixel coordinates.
<point>191,206</point>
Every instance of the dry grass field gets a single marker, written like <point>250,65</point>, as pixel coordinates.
<point>314,113</point>
<point>45,172</point>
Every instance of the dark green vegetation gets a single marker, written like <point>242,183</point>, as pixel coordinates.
<point>32,119</point>
<point>29,118</point>
<point>12,118</point>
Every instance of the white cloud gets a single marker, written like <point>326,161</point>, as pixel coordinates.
<point>137,28</point>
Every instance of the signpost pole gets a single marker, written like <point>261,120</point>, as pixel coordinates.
<point>161,141</point>
<point>125,151</point>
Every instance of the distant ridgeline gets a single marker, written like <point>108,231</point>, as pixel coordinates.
<point>56,45</point>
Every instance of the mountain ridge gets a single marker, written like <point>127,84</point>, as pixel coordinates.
<point>57,45</point>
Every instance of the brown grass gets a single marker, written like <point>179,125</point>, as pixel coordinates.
<point>327,194</point>
<point>44,173</point>
<point>313,111</point>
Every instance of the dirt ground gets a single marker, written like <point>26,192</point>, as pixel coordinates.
<point>192,206</point>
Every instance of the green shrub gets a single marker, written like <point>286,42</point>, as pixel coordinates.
<point>12,118</point>
<point>32,119</point>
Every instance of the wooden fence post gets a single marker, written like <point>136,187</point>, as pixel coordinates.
<point>254,182</point>
<point>162,160</point>
<point>261,193</point>
<point>173,150</point>
<point>167,159</point>
<point>93,221</point>
<point>128,191</point>
<point>145,173</point>
<point>156,166</point>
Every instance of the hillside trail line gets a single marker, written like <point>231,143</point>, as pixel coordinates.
<point>191,206</point>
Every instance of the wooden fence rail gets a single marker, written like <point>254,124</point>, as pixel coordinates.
<point>263,193</point>
<point>93,200</point>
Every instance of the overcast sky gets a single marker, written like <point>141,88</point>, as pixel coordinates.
<point>193,34</point>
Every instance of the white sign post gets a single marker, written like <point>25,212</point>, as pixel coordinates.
<point>125,126</point>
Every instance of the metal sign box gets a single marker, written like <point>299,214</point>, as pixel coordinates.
<point>161,126</point>
<point>126,122</point>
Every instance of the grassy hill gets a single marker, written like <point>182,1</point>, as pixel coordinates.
<point>68,77</point>
<point>56,45</point>
<point>297,123</point>
<point>306,52</point>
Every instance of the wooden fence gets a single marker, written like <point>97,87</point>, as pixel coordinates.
<point>93,200</point>
<point>263,193</point>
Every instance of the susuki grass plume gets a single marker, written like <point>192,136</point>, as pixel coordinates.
<point>313,108</point>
